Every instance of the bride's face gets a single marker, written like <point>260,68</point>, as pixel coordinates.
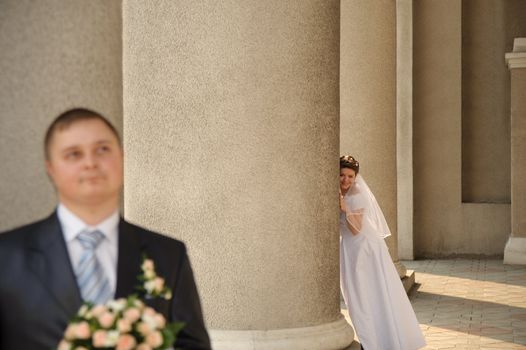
<point>347,178</point>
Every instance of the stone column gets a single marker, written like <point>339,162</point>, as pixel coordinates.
<point>515,250</point>
<point>368,101</point>
<point>404,126</point>
<point>231,114</point>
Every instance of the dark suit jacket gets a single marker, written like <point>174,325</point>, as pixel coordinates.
<point>39,292</point>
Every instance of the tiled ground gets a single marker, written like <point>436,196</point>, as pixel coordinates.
<point>469,303</point>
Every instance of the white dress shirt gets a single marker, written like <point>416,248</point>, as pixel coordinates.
<point>107,249</point>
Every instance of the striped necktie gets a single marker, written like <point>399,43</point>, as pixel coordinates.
<point>93,282</point>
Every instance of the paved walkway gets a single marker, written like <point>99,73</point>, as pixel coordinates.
<point>469,304</point>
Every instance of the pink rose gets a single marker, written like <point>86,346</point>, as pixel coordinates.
<point>149,311</point>
<point>124,326</point>
<point>100,338</point>
<point>132,314</point>
<point>143,328</point>
<point>126,342</point>
<point>98,310</point>
<point>69,334</point>
<point>147,265</point>
<point>106,319</point>
<point>64,345</point>
<point>154,339</point>
<point>160,321</point>
<point>148,317</point>
<point>158,284</point>
<point>82,330</point>
<point>144,346</point>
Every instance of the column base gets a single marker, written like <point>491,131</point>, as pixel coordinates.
<point>329,336</point>
<point>400,268</point>
<point>408,281</point>
<point>515,251</point>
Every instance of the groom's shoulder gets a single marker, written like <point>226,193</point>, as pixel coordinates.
<point>154,237</point>
<point>21,233</point>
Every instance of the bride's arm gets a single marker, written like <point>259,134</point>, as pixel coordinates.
<point>354,220</point>
<point>354,217</point>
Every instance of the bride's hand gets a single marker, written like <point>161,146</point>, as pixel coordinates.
<point>343,206</point>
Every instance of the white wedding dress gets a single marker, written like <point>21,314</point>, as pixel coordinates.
<point>375,297</point>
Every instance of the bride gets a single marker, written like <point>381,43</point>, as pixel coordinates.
<point>377,302</point>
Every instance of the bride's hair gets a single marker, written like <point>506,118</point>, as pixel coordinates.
<point>349,162</point>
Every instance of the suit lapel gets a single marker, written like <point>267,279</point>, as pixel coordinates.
<point>129,260</point>
<point>49,261</point>
<point>132,246</point>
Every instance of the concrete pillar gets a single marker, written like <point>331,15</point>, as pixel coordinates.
<point>404,127</point>
<point>368,101</point>
<point>515,250</point>
<point>437,124</point>
<point>231,115</point>
<point>55,55</point>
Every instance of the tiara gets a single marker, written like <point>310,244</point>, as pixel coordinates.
<point>351,160</point>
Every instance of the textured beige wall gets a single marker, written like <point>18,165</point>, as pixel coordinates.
<point>54,55</point>
<point>488,29</point>
<point>368,98</point>
<point>231,123</point>
<point>485,229</point>
<point>485,106</point>
<point>437,127</point>
<point>443,225</point>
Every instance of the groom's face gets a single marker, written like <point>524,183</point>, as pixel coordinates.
<point>85,163</point>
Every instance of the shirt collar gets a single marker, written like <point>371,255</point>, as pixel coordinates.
<point>72,225</point>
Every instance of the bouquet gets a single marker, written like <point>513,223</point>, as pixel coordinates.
<point>126,323</point>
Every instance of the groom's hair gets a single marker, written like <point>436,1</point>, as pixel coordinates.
<point>349,162</point>
<point>70,117</point>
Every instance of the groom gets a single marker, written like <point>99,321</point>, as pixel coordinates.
<point>41,263</point>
